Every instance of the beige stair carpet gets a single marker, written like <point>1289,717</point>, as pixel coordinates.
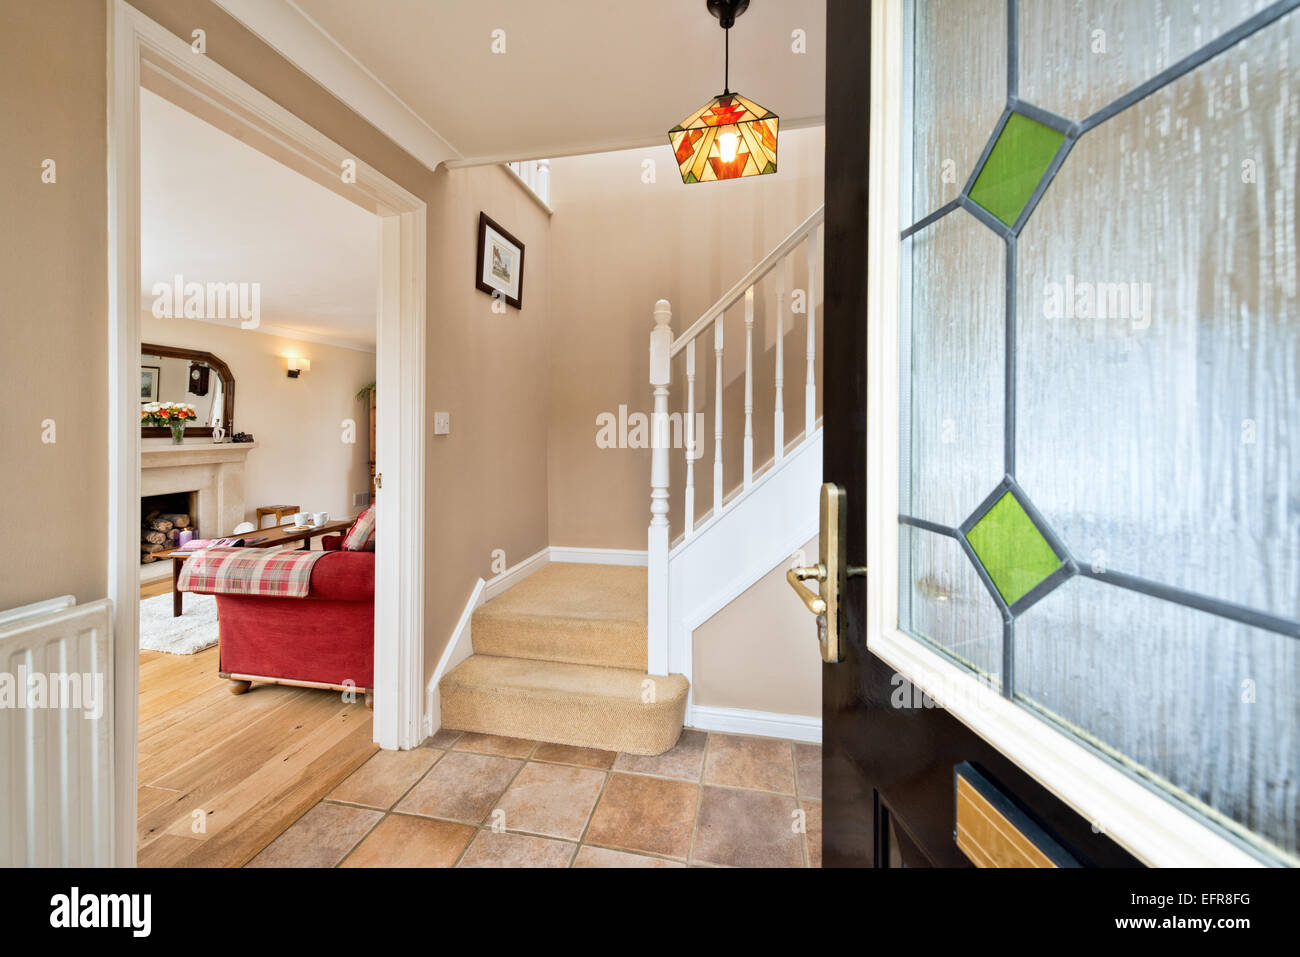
<point>580,614</point>
<point>561,657</point>
<point>614,709</point>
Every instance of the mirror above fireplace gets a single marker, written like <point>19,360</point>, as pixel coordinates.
<point>174,374</point>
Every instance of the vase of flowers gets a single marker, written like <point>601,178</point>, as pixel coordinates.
<point>173,415</point>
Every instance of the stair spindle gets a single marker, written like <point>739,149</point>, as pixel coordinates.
<point>778,418</point>
<point>717,417</point>
<point>689,430</point>
<point>749,386</point>
<point>810,389</point>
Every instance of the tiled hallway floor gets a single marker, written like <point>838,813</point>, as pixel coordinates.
<point>476,800</point>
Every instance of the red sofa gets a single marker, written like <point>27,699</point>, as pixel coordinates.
<point>325,640</point>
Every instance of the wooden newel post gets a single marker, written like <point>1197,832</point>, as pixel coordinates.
<point>661,344</point>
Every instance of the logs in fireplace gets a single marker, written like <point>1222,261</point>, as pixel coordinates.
<point>162,520</point>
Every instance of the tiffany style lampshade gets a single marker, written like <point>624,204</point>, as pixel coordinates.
<point>730,136</point>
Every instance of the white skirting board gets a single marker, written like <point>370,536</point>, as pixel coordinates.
<point>513,575</point>
<point>599,556</point>
<point>459,647</point>
<point>769,724</point>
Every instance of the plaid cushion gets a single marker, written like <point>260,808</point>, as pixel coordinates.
<point>361,536</point>
<point>249,571</point>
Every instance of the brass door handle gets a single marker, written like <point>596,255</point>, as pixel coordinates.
<point>831,573</point>
<point>798,575</point>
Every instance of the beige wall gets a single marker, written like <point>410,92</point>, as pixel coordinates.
<point>619,244</point>
<point>53,298</point>
<point>486,481</point>
<point>760,652</point>
<point>301,458</point>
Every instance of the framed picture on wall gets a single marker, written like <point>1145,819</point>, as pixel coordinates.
<point>149,383</point>
<point>500,271</point>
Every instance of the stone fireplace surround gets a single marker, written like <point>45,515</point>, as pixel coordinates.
<point>214,472</point>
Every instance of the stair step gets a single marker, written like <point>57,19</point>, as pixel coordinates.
<point>566,612</point>
<point>575,704</point>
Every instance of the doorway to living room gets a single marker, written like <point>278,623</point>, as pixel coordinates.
<point>305,734</point>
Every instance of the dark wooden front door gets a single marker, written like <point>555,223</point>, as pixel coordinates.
<point>889,771</point>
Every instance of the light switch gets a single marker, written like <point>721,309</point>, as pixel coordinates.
<point>441,423</point>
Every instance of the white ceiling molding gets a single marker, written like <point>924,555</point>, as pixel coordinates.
<point>297,38</point>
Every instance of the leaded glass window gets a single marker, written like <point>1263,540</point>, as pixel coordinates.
<point>1100,381</point>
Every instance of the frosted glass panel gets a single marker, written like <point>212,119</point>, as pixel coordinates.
<point>958,318</point>
<point>956,108</point>
<point>1158,362</point>
<point>943,601</point>
<point>1077,56</point>
<point>1209,705</point>
<point>1156,389</point>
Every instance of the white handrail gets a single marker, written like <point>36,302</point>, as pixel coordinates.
<point>734,294</point>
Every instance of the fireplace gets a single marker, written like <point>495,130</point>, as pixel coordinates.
<point>208,476</point>
<point>167,521</point>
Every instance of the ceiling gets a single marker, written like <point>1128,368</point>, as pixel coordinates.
<point>577,76</point>
<point>213,209</point>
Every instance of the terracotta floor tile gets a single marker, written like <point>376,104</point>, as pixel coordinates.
<point>550,799</point>
<point>813,836</point>
<point>639,813</point>
<point>461,787</point>
<point>808,765</point>
<point>583,757</point>
<point>747,829</point>
<point>320,838</point>
<point>604,857</point>
<point>402,841</point>
<point>491,849</point>
<point>494,744</point>
<point>442,738</point>
<point>684,760</point>
<point>385,777</point>
<point>763,763</point>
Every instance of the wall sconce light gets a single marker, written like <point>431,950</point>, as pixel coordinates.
<point>298,366</point>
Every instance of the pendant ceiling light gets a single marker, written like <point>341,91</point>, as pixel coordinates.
<point>730,136</point>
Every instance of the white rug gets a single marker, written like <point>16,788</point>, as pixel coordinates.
<point>193,631</point>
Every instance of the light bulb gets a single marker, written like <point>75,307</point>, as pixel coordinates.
<point>728,143</point>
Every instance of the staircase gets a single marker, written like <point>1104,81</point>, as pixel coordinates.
<point>561,657</point>
<point>599,656</point>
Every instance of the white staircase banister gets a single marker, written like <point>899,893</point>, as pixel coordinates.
<point>734,294</point>
<point>665,614</point>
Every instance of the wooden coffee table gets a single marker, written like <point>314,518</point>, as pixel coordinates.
<point>265,538</point>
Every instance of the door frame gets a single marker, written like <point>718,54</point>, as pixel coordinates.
<point>137,44</point>
<point>1141,821</point>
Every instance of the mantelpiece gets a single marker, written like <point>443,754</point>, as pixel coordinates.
<point>214,472</point>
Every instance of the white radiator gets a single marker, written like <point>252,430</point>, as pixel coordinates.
<point>55,742</point>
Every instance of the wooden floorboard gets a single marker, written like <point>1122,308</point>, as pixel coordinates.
<point>252,763</point>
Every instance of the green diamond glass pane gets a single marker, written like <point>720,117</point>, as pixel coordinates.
<point>1012,549</point>
<point>1015,167</point>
